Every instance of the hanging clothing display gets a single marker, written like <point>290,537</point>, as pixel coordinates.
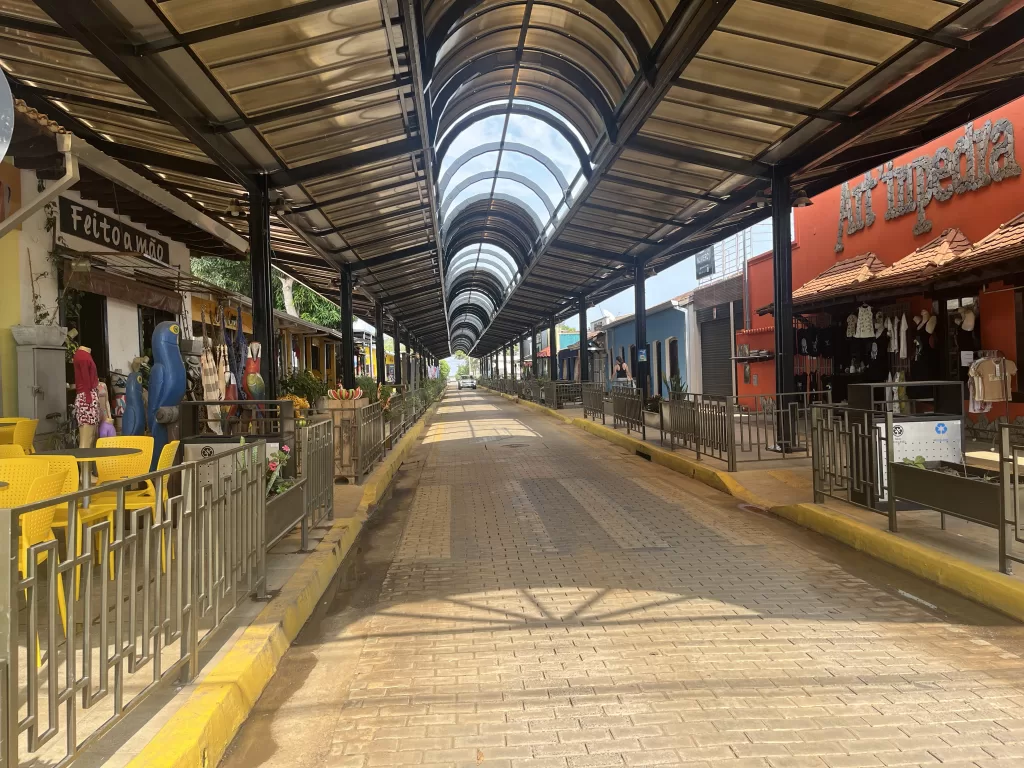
<point>851,326</point>
<point>990,382</point>
<point>865,323</point>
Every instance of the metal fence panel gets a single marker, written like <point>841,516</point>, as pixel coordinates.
<point>628,409</point>
<point>167,576</point>
<point>593,401</point>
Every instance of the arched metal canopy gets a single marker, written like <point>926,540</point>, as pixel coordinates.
<point>684,108</point>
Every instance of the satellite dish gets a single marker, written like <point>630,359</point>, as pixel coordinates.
<point>6,116</point>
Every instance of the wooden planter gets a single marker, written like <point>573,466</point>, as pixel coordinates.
<point>345,414</point>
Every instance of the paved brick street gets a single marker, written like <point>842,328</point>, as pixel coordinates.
<point>533,596</point>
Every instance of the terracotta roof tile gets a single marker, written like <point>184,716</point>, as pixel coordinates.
<point>927,261</point>
<point>1004,244</point>
<point>843,277</point>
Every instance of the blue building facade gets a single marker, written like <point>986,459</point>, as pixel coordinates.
<point>666,345</point>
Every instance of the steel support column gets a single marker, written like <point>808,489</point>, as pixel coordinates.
<point>522,358</point>
<point>504,361</point>
<point>553,350</point>
<point>533,353</point>
<point>378,320</point>
<point>262,283</point>
<point>398,354</point>
<point>782,249</point>
<point>584,361</point>
<point>640,315</point>
<point>348,347</point>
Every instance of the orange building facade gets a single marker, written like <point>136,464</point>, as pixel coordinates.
<point>968,180</point>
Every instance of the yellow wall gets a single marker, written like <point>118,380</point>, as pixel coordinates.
<point>10,307</point>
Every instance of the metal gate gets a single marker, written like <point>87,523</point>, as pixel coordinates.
<point>716,357</point>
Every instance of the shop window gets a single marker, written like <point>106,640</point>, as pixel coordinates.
<point>673,358</point>
<point>962,331</point>
<point>91,322</point>
<point>149,319</point>
<point>314,358</point>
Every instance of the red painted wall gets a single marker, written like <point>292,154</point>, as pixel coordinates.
<point>976,214</point>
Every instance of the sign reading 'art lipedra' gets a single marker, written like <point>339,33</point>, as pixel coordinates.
<point>96,227</point>
<point>978,158</point>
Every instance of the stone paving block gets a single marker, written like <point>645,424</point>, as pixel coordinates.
<point>552,601</point>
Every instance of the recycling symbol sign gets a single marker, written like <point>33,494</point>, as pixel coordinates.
<point>941,429</point>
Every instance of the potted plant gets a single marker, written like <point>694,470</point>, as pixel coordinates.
<point>284,495</point>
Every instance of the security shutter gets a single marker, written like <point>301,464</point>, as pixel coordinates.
<point>716,357</point>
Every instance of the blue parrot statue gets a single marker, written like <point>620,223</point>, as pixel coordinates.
<point>166,382</point>
<point>133,421</point>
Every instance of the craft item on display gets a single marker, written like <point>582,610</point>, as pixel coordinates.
<point>904,327</point>
<point>931,325</point>
<point>255,389</point>
<point>851,326</point>
<point>166,384</point>
<point>133,422</point>
<point>212,387</point>
<point>865,323</point>
<point>968,320</point>
<point>87,412</point>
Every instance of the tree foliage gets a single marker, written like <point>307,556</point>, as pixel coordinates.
<point>445,369</point>
<point>235,276</point>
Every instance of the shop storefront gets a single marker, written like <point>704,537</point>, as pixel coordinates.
<point>913,272</point>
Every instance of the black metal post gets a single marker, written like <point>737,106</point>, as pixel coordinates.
<point>262,283</point>
<point>504,361</point>
<point>379,322</point>
<point>533,353</point>
<point>553,351</point>
<point>522,357</point>
<point>782,249</point>
<point>640,316</point>
<point>348,350</point>
<point>398,353</point>
<point>584,362</point>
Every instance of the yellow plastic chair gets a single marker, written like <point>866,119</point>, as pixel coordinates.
<point>11,451</point>
<point>25,433</point>
<point>106,503</point>
<point>26,484</point>
<point>122,467</point>
<point>7,433</point>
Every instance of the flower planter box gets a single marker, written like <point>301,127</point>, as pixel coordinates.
<point>653,420</point>
<point>345,415</point>
<point>284,511</point>
<point>964,496</point>
<point>39,335</point>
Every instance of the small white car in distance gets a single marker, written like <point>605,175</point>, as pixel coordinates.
<point>467,382</point>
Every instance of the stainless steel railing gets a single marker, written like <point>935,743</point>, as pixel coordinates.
<point>593,395</point>
<point>167,577</point>
<point>628,409</point>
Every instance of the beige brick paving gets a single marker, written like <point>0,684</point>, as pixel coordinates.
<point>556,603</point>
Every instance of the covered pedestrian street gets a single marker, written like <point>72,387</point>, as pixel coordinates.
<point>533,596</point>
<point>485,585</point>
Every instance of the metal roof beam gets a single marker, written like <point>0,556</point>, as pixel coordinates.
<point>405,253</point>
<point>701,157</point>
<point>868,21</point>
<point>310,106</point>
<point>244,24</point>
<point>659,189</point>
<point>358,195</point>
<point>90,25</point>
<point>335,166</point>
<point>761,100</point>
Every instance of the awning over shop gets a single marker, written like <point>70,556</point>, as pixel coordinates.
<point>949,258</point>
<point>842,277</point>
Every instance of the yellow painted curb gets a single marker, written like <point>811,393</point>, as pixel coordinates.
<point>200,732</point>
<point>994,590</point>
